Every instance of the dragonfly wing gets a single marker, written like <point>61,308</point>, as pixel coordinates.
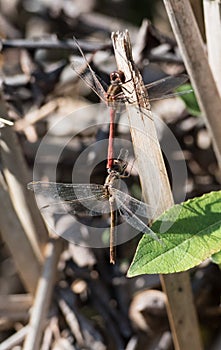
<point>90,78</point>
<point>134,205</point>
<point>86,199</point>
<point>135,222</point>
<point>161,88</point>
<point>67,191</point>
<point>86,73</point>
<point>86,207</point>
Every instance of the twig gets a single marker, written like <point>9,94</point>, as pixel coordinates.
<point>37,115</point>
<point>52,43</point>
<point>165,58</point>
<point>52,329</point>
<point>4,121</point>
<point>132,344</point>
<point>15,339</point>
<point>82,329</point>
<point>72,321</point>
<point>156,189</point>
<point>43,295</point>
<point>111,317</point>
<point>117,324</point>
<point>192,48</point>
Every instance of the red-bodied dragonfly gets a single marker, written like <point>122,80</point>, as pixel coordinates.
<point>94,199</point>
<point>114,95</point>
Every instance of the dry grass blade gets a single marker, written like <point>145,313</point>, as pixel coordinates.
<point>194,55</point>
<point>43,295</point>
<point>15,339</point>
<point>142,128</point>
<point>83,330</point>
<point>153,176</point>
<point>17,176</point>
<point>17,241</point>
<point>51,331</point>
<point>72,321</point>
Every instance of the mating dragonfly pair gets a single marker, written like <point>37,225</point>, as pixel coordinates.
<point>94,199</point>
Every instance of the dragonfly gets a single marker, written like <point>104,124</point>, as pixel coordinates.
<point>96,199</point>
<point>113,95</point>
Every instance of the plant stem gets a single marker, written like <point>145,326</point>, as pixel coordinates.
<point>156,189</point>
<point>194,55</point>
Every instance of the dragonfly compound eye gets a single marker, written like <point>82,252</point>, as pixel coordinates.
<point>117,77</point>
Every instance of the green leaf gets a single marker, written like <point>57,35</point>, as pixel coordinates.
<point>190,100</point>
<point>193,233</point>
<point>216,258</point>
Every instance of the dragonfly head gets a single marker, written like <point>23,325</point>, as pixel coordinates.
<point>118,168</point>
<point>117,77</point>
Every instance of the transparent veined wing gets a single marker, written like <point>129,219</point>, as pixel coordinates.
<point>135,222</point>
<point>161,89</point>
<point>133,204</point>
<point>164,87</point>
<point>81,199</point>
<point>86,73</point>
<point>130,207</point>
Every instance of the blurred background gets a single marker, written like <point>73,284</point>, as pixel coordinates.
<point>39,88</point>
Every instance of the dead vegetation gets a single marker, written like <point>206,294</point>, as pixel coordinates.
<point>56,295</point>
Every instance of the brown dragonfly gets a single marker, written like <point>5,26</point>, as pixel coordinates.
<point>113,95</point>
<point>95,199</point>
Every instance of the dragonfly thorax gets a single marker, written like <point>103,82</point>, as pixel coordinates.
<point>114,174</point>
<point>117,78</point>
